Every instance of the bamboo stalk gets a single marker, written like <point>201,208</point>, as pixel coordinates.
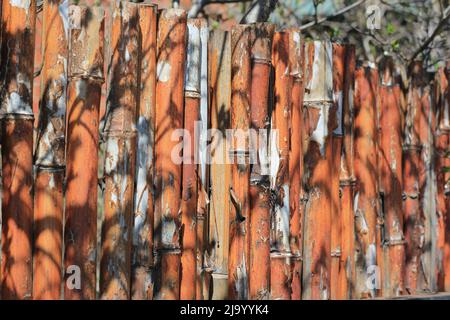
<point>318,102</point>
<point>188,285</point>
<point>366,191</point>
<point>238,258</point>
<point>17,56</point>
<point>220,88</point>
<point>336,140</point>
<point>347,180</point>
<point>446,188</point>
<point>414,229</point>
<point>142,280</point>
<point>50,155</point>
<point>391,178</point>
<point>85,75</point>
<point>296,62</point>
<point>169,117</point>
<point>280,258</point>
<point>120,153</point>
<point>259,244</point>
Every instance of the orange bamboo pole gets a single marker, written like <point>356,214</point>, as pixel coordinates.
<point>280,258</point>
<point>445,113</point>
<point>296,62</point>
<point>50,155</point>
<point>259,275</point>
<point>411,153</point>
<point>17,56</point>
<point>188,285</point>
<point>321,117</point>
<point>347,280</point>
<point>337,137</point>
<point>85,75</point>
<point>366,192</point>
<point>142,280</point>
<point>391,178</point>
<point>220,88</point>
<point>169,117</point>
<point>238,264</point>
<point>120,153</point>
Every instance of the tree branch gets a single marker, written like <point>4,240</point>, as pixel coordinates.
<point>259,11</point>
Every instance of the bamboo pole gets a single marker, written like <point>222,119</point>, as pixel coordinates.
<point>17,56</point>
<point>446,263</point>
<point>169,117</point>
<point>391,178</point>
<point>238,258</point>
<point>85,75</point>
<point>220,88</point>
<point>347,180</point>
<point>188,284</point>
<point>203,272</point>
<point>50,155</point>
<point>142,280</point>
<point>259,244</point>
<point>120,153</point>
<point>336,140</point>
<point>318,102</point>
<point>280,257</point>
<point>296,62</point>
<point>414,229</point>
<point>366,191</point>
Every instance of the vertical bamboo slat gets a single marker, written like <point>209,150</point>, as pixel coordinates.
<point>17,56</point>
<point>50,155</point>
<point>142,263</point>
<point>169,117</point>
<point>85,76</point>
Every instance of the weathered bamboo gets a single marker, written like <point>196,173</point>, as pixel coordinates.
<point>296,63</point>
<point>50,155</point>
<point>391,178</point>
<point>120,153</point>
<point>188,284</point>
<point>414,229</point>
<point>366,192</point>
<point>142,280</point>
<point>280,257</point>
<point>336,140</point>
<point>17,56</point>
<point>220,171</point>
<point>84,93</point>
<point>238,258</point>
<point>259,269</point>
<point>441,146</point>
<point>203,272</point>
<point>446,262</point>
<point>347,180</point>
<point>317,171</point>
<point>169,117</point>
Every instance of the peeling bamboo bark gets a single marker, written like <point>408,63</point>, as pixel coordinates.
<point>17,56</point>
<point>366,192</point>
<point>337,137</point>
<point>203,272</point>
<point>414,228</point>
<point>238,258</point>
<point>220,88</point>
<point>321,116</point>
<point>169,117</point>
<point>391,179</point>
<point>280,257</point>
<point>84,93</point>
<point>120,153</point>
<point>347,180</point>
<point>261,51</point>
<point>142,280</point>
<point>50,155</point>
<point>296,62</point>
<point>188,284</point>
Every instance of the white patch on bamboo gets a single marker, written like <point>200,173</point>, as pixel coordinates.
<point>163,70</point>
